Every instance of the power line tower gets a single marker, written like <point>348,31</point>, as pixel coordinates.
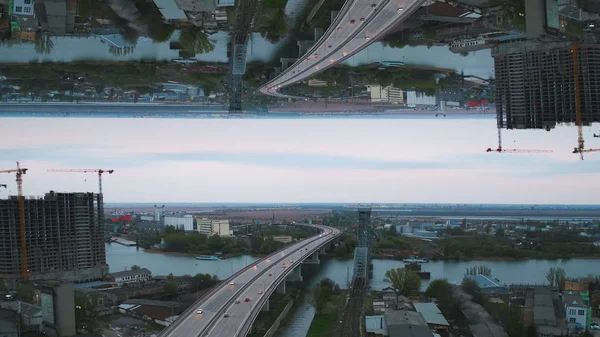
<point>362,253</point>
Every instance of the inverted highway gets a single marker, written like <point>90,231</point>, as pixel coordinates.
<point>229,309</point>
<point>358,24</point>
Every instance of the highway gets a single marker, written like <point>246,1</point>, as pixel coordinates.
<point>359,24</point>
<point>254,283</point>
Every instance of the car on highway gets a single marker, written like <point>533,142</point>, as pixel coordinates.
<point>260,292</point>
<point>225,315</point>
<point>247,299</point>
<point>231,283</point>
<point>237,301</point>
<point>270,274</point>
<point>199,312</point>
<point>362,19</point>
<point>283,265</point>
<point>352,21</point>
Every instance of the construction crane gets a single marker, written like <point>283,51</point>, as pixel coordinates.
<point>501,150</point>
<point>99,171</point>
<point>19,173</point>
<point>580,141</point>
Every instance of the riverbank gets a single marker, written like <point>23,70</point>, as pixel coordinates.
<point>325,323</point>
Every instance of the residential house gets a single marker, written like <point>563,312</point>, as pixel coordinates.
<point>406,324</point>
<point>433,316</point>
<point>56,16</point>
<point>576,310</point>
<point>170,11</point>
<point>376,326</point>
<point>489,286</point>
<point>129,276</point>
<point>23,7</point>
<point>160,312</point>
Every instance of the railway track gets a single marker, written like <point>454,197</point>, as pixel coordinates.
<point>351,326</point>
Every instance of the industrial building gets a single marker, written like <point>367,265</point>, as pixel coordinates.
<point>535,84</point>
<point>64,237</point>
<point>185,222</point>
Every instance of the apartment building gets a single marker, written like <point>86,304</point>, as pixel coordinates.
<point>64,237</point>
<point>576,310</point>
<point>535,84</point>
<point>211,227</point>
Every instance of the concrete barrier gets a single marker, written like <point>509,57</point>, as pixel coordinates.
<point>273,329</point>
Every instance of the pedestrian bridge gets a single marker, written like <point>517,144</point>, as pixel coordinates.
<point>230,308</point>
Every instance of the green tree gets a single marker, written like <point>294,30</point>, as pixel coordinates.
<point>321,294</point>
<point>170,288</point>
<point>515,326</point>
<point>160,32</point>
<point>214,243</point>
<point>406,282</point>
<point>196,41</point>
<point>556,276</point>
<point>43,43</point>
<point>438,288</point>
<point>25,293</point>
<point>479,270</point>
<point>135,267</point>
<point>87,311</point>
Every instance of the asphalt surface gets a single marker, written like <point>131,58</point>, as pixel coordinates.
<point>255,283</point>
<point>358,25</point>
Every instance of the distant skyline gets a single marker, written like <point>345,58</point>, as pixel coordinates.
<point>299,161</point>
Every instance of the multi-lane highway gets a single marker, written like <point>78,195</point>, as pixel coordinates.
<point>230,309</point>
<point>359,23</point>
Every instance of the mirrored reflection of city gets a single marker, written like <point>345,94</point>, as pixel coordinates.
<point>488,105</point>
<point>531,63</point>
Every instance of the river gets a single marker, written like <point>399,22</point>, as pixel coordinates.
<point>70,49</point>
<point>529,271</point>
<point>509,272</point>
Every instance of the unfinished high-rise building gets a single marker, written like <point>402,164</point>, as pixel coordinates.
<point>64,234</point>
<point>535,84</point>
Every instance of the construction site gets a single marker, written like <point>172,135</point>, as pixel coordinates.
<point>540,85</point>
<point>64,238</point>
<point>59,236</point>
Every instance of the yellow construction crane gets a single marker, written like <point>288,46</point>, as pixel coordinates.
<point>580,141</point>
<point>19,173</point>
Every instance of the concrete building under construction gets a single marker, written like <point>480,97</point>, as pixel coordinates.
<point>64,237</point>
<point>535,84</point>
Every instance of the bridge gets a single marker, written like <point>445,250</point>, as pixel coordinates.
<point>358,24</point>
<point>231,308</point>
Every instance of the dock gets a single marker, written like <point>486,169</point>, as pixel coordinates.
<point>123,242</point>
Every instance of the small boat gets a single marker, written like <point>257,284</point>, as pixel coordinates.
<point>415,260</point>
<point>207,257</point>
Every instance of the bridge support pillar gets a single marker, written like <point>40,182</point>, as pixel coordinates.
<point>265,307</point>
<point>281,288</point>
<point>323,249</point>
<point>295,275</point>
<point>312,259</point>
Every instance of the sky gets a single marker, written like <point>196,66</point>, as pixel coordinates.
<point>299,160</point>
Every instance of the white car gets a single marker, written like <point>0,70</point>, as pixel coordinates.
<point>231,283</point>
<point>199,312</point>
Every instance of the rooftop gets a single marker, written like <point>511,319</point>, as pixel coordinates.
<point>130,273</point>
<point>170,10</point>
<point>484,282</point>
<point>573,299</point>
<point>376,325</point>
<point>431,313</point>
<point>407,324</point>
<point>153,303</point>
